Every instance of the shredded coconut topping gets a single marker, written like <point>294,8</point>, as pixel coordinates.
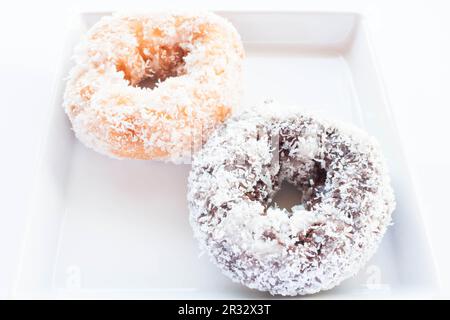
<point>347,200</point>
<point>146,85</point>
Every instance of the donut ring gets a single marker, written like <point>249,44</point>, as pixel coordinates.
<point>345,208</point>
<point>153,86</point>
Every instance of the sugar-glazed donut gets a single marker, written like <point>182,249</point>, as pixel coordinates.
<point>153,86</point>
<point>344,210</point>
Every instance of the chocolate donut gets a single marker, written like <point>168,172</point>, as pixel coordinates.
<point>344,208</point>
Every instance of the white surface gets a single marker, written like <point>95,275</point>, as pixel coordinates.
<point>121,227</point>
<point>411,38</point>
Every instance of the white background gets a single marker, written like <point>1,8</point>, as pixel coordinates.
<point>411,39</point>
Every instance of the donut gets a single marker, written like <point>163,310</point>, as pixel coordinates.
<point>153,86</point>
<point>344,205</point>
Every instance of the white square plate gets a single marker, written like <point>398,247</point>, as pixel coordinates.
<point>100,227</point>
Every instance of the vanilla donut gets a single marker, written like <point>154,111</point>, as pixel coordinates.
<point>153,86</point>
<point>344,209</point>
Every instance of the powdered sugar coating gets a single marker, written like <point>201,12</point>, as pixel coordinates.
<point>347,200</point>
<point>195,60</point>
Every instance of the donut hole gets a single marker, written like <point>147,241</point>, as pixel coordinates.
<point>162,63</point>
<point>287,197</point>
<point>302,190</point>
